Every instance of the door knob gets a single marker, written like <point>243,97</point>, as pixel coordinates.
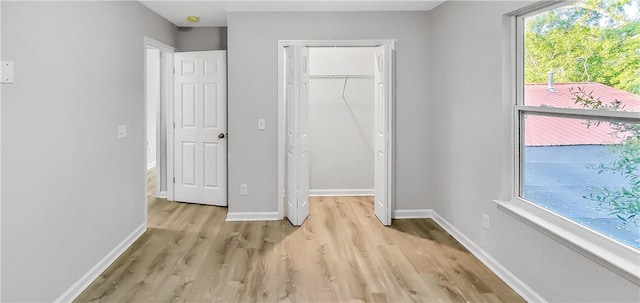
<point>221,136</point>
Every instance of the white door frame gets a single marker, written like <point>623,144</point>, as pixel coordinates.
<point>282,112</point>
<point>166,84</point>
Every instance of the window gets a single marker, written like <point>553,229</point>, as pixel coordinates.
<point>578,122</point>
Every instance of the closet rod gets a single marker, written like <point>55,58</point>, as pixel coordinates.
<point>341,76</point>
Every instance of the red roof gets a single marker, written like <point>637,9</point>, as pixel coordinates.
<point>551,131</point>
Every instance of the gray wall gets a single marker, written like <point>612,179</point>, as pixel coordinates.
<point>341,135</point>
<point>191,39</point>
<point>253,93</point>
<point>71,191</point>
<point>467,130</point>
<point>341,61</point>
<point>341,130</point>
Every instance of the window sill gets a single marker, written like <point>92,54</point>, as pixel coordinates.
<point>622,259</point>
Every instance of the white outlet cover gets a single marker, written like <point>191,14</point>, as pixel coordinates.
<point>262,124</point>
<point>486,222</point>
<point>6,71</point>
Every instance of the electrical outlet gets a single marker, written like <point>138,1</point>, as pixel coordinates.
<point>262,124</point>
<point>486,222</point>
<point>243,189</point>
<point>6,72</point>
<point>122,131</point>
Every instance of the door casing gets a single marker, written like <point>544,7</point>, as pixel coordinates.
<point>282,113</point>
<point>162,117</point>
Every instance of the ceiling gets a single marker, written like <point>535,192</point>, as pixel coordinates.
<point>214,12</point>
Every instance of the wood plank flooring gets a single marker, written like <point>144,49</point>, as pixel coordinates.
<point>341,254</point>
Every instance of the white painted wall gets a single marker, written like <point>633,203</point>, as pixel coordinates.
<point>153,100</point>
<point>71,191</point>
<point>467,128</point>
<point>253,94</point>
<point>191,39</point>
<point>341,129</point>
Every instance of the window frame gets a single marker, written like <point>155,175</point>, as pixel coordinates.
<point>615,255</point>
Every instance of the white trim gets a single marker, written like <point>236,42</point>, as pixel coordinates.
<point>502,272</point>
<point>412,213</point>
<point>166,100</point>
<point>340,192</point>
<point>0,171</point>
<point>611,254</point>
<point>282,110</point>
<point>338,43</point>
<point>580,113</point>
<point>148,41</point>
<point>390,148</point>
<point>169,102</point>
<point>162,194</point>
<point>151,166</point>
<point>540,7</point>
<point>77,288</point>
<point>253,216</point>
<point>281,129</point>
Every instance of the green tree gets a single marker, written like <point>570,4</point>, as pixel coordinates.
<point>590,41</point>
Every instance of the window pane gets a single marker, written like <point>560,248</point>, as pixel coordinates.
<point>585,170</point>
<point>577,56</point>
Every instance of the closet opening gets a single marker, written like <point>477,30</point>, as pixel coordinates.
<point>341,112</point>
<point>336,135</point>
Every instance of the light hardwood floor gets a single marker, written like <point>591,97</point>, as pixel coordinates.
<point>341,254</point>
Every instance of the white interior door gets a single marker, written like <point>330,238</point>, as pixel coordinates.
<point>297,99</point>
<point>200,127</point>
<point>382,108</point>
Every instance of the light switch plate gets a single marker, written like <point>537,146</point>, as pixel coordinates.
<point>6,72</point>
<point>262,124</point>
<point>122,131</point>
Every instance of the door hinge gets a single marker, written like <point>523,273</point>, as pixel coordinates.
<point>174,180</point>
<point>174,70</point>
<point>174,125</point>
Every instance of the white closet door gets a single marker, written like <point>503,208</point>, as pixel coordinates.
<point>382,107</point>
<point>297,100</point>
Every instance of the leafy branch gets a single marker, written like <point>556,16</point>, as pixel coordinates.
<point>622,202</point>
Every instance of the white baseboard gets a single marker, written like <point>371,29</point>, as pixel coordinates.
<point>254,216</point>
<point>340,192</point>
<point>161,194</point>
<point>412,213</point>
<point>151,165</point>
<point>516,284</point>
<point>77,288</point>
